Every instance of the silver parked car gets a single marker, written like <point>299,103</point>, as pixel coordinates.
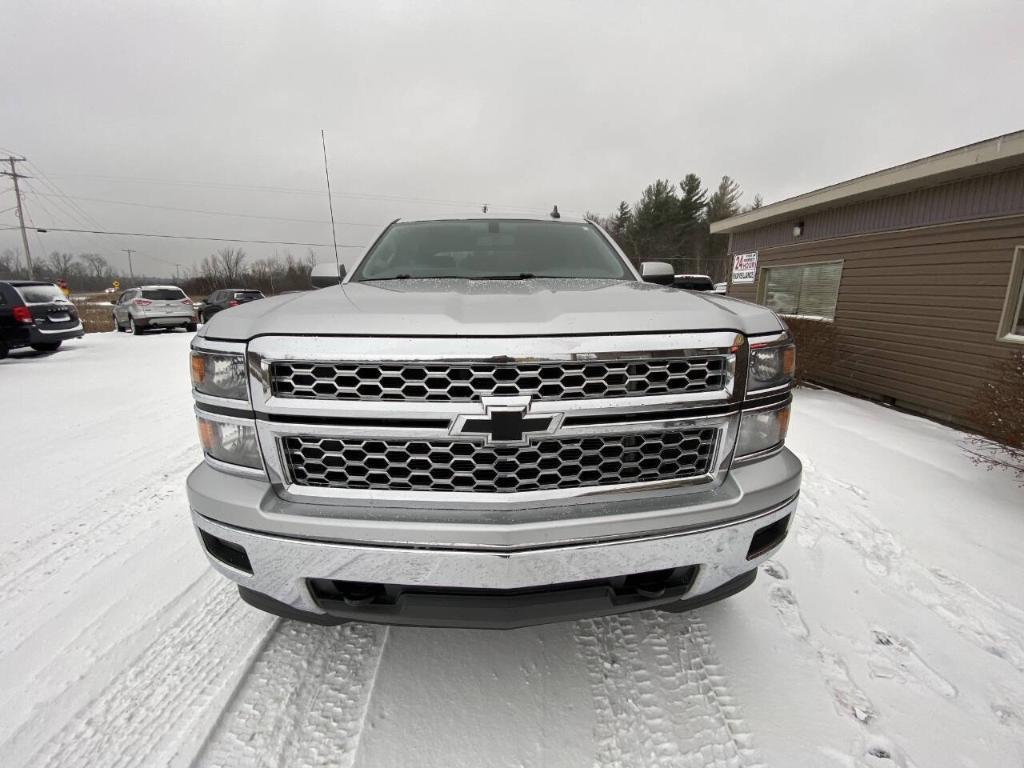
<point>154,306</point>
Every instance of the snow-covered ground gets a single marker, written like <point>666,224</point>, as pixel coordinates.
<point>888,632</point>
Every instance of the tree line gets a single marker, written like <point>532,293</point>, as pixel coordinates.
<point>231,268</point>
<point>225,268</point>
<point>673,225</point>
<point>83,271</point>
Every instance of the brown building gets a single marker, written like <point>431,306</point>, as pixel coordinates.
<point>916,271</point>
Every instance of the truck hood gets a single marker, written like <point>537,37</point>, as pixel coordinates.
<point>457,307</point>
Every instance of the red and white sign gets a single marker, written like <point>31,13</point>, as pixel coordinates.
<point>744,267</point>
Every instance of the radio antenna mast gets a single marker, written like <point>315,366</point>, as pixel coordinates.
<point>330,203</point>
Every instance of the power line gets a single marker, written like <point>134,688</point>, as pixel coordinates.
<point>211,213</point>
<point>49,213</point>
<point>190,237</point>
<point>299,191</point>
<point>84,217</point>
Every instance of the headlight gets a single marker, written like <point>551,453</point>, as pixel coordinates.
<point>762,430</point>
<point>229,441</point>
<point>219,374</point>
<point>771,365</point>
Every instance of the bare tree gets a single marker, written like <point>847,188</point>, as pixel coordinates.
<point>59,263</point>
<point>10,263</point>
<point>998,412</point>
<point>95,265</point>
<point>231,261</point>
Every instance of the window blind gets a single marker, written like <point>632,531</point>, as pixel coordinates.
<point>810,290</point>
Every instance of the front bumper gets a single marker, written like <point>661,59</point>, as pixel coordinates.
<point>461,573</point>
<point>163,321</point>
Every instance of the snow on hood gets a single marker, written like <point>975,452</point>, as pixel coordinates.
<point>459,307</point>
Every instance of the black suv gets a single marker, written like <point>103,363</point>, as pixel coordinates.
<point>225,299</point>
<point>35,314</point>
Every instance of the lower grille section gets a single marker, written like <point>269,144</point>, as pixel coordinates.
<point>434,465</point>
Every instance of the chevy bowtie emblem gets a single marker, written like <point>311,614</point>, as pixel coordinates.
<point>506,421</point>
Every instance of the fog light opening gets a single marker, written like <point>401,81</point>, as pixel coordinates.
<point>226,552</point>
<point>769,537</point>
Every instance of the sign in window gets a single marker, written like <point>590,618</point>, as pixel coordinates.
<point>744,267</point>
<point>809,290</point>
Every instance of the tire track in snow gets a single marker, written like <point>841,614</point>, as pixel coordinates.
<point>96,524</point>
<point>873,748</point>
<point>303,701</point>
<point>659,695</point>
<point>75,568</point>
<point>991,624</point>
<point>153,708</point>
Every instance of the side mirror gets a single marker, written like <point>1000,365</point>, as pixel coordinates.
<point>659,272</point>
<point>326,274</point>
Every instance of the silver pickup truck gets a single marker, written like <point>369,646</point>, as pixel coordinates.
<point>492,422</point>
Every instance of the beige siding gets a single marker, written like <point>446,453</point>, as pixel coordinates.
<point>918,310</point>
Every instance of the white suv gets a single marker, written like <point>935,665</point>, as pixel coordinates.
<point>154,306</point>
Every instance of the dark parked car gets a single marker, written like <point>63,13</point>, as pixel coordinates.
<point>225,299</point>
<point>35,314</point>
<point>693,282</point>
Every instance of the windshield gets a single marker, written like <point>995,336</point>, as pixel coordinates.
<point>491,249</point>
<point>163,294</point>
<point>40,294</point>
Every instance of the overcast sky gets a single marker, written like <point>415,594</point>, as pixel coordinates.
<point>518,105</point>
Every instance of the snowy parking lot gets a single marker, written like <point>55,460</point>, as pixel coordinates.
<point>889,631</point>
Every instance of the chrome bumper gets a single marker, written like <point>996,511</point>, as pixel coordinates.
<point>281,566</point>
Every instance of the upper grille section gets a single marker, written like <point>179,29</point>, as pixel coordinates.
<point>445,465</point>
<point>467,382</point>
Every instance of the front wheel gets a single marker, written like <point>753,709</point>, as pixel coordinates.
<point>49,346</point>
<point>117,325</point>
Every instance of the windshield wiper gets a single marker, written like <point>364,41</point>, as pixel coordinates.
<point>520,276</point>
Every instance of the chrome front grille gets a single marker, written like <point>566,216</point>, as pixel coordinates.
<point>436,465</point>
<point>469,382</point>
<point>480,422</point>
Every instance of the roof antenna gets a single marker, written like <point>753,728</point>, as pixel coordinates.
<point>330,203</point>
<point>554,213</point>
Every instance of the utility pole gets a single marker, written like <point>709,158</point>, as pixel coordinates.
<point>131,272</point>
<point>177,271</point>
<point>13,173</point>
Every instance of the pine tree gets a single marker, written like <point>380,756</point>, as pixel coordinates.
<point>692,206</point>
<point>693,198</point>
<point>623,218</point>
<point>725,202</point>
<point>657,225</point>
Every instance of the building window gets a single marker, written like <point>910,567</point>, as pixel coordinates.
<point>1011,327</point>
<point>806,290</point>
